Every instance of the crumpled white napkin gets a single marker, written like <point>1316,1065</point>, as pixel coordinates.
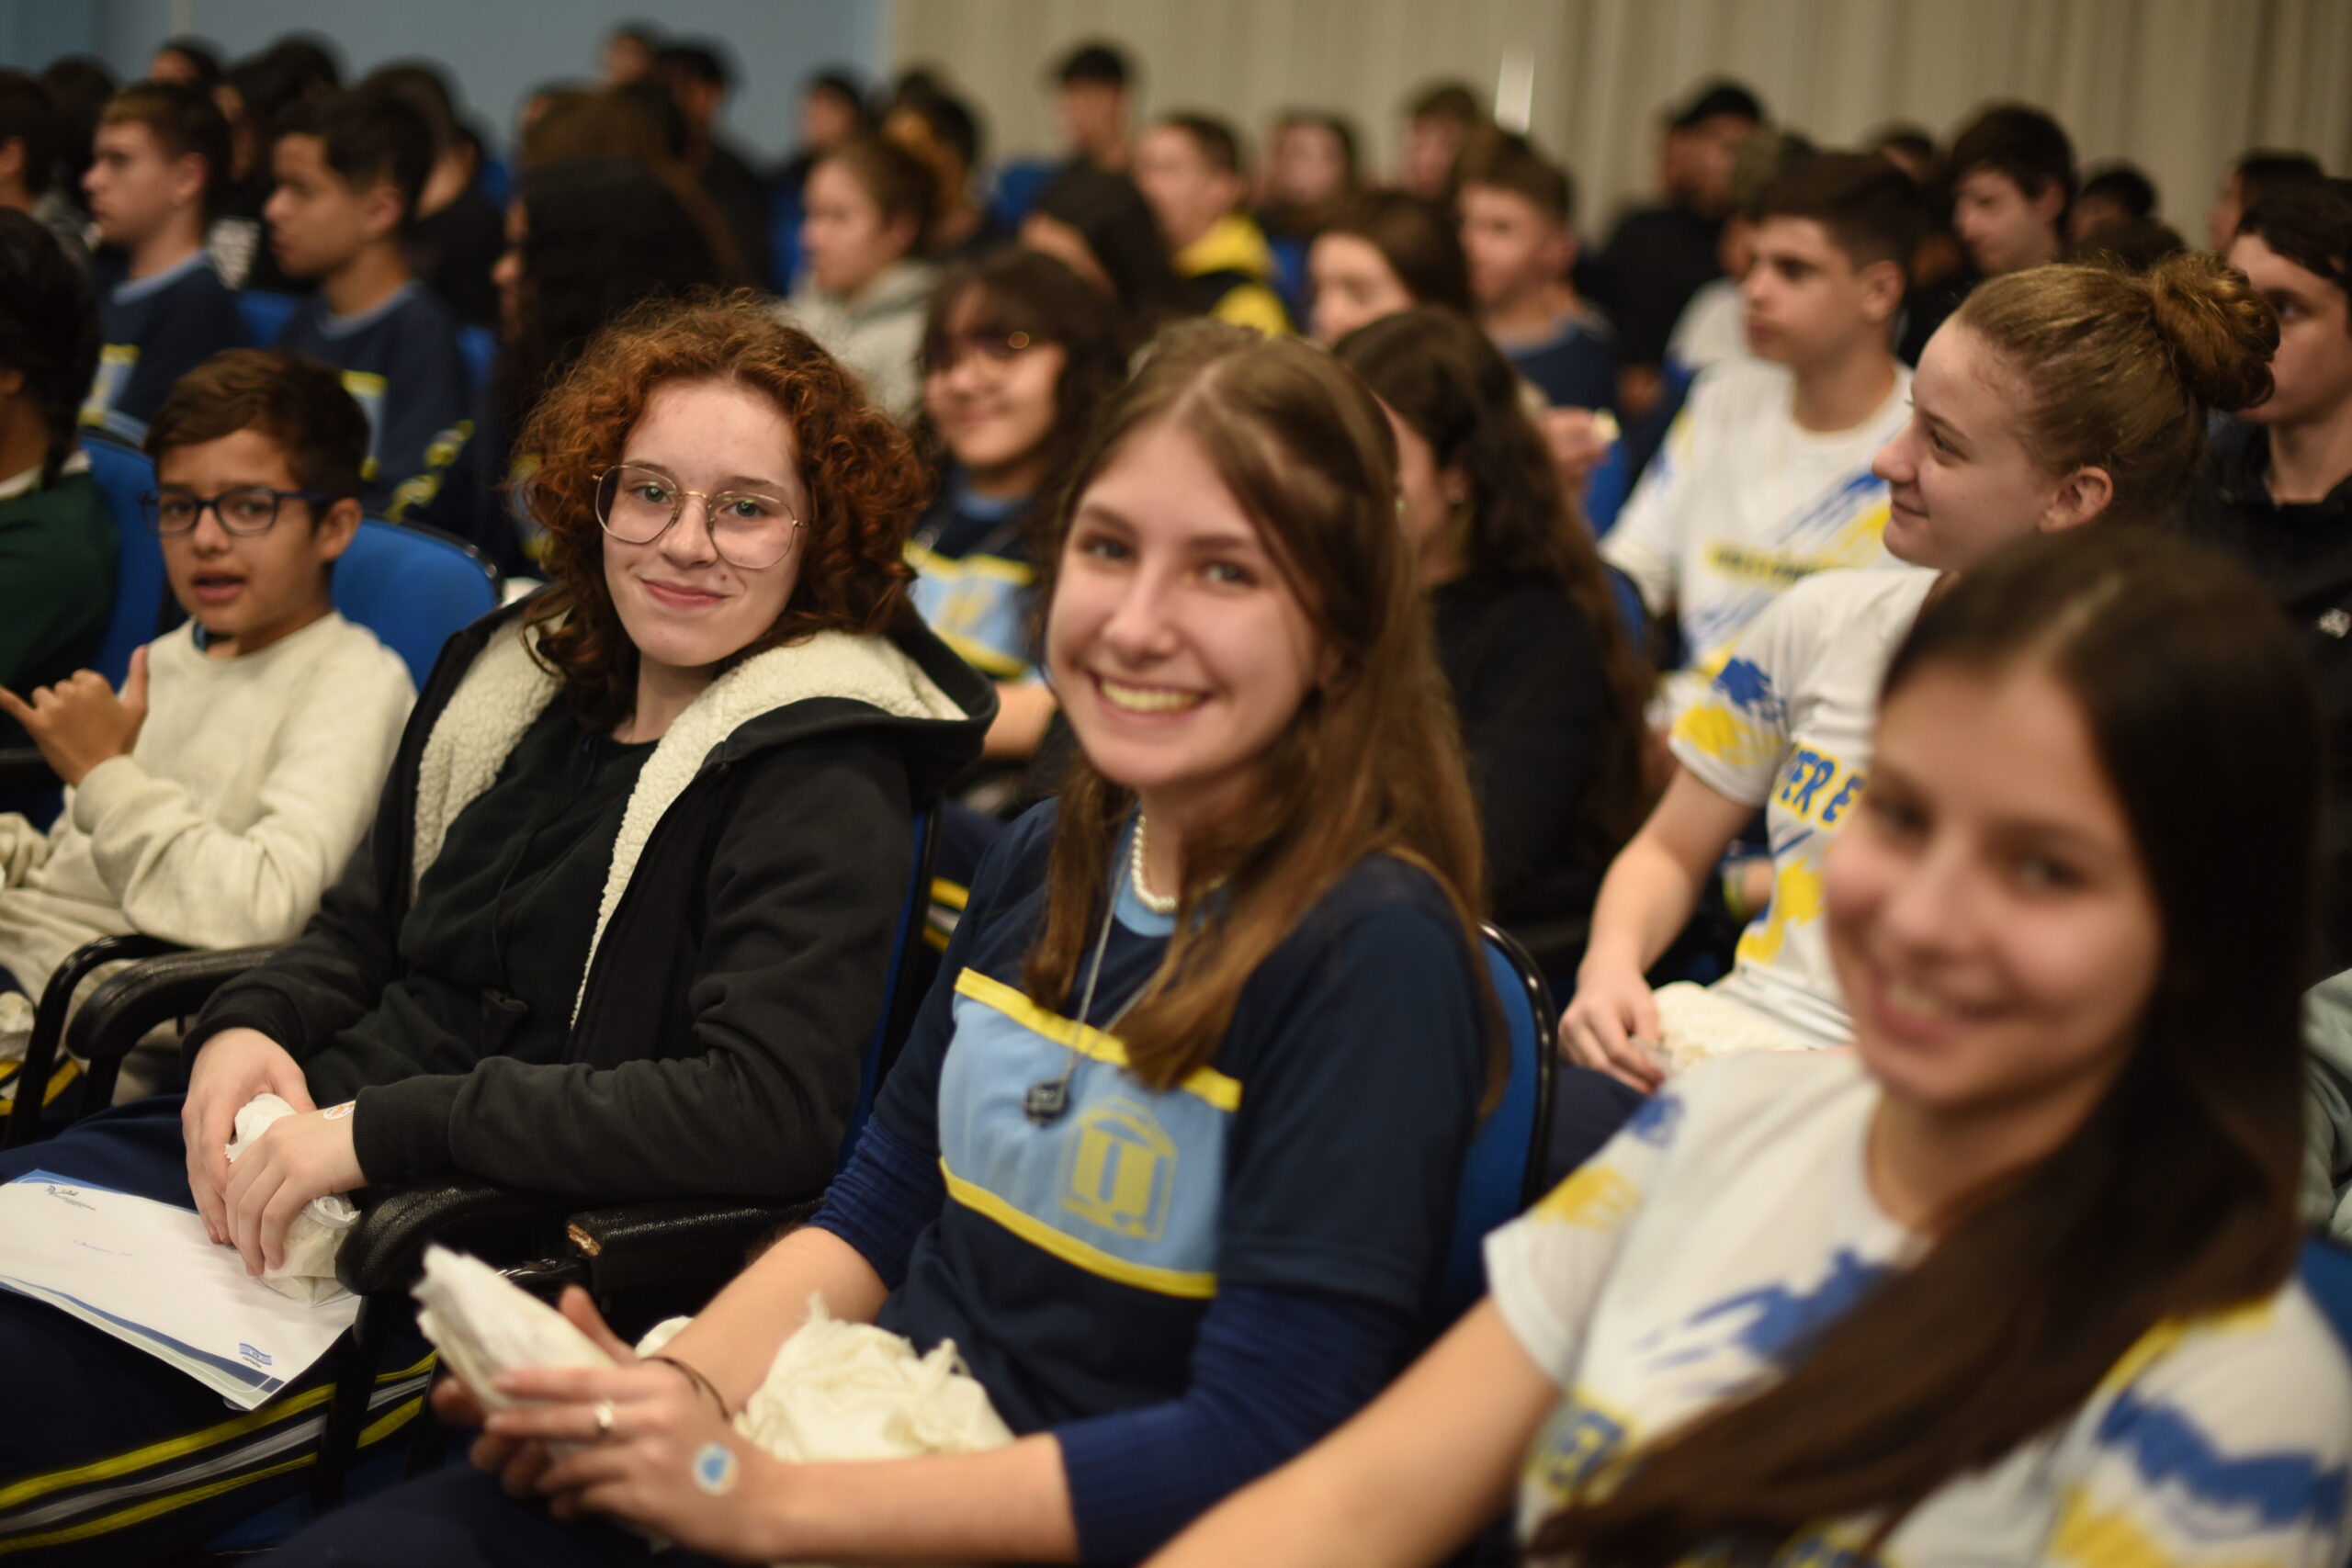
<point>850,1391</point>
<point>1698,1026</point>
<point>317,1233</point>
<point>484,1324</point>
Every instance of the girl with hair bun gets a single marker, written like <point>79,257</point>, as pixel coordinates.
<point>2054,398</point>
<point>2013,1281</point>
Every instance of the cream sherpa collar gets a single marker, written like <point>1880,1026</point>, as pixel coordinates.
<point>505,690</point>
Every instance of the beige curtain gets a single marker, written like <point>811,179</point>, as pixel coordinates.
<point>2176,86</point>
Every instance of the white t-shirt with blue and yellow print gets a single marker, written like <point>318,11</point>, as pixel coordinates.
<point>1785,725</point>
<point>1741,504</point>
<point>1691,1260</point>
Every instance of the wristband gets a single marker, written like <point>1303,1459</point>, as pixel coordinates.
<point>694,1376</point>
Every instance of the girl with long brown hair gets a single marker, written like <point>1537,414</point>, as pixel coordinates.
<point>1544,677</point>
<point>1171,1155</point>
<point>2013,1281</point>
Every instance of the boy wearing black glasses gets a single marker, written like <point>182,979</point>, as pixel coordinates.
<point>216,794</point>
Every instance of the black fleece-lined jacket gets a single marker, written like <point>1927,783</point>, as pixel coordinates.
<point>740,949</point>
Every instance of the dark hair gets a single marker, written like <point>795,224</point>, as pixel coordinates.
<point>1901,136</point>
<point>893,177</point>
<point>639,32</point>
<point>1714,100</point>
<point>49,328</point>
<point>185,122</point>
<point>78,88</point>
<point>1218,143</point>
<point>2175,1198</point>
<point>28,117</point>
<point>704,63</point>
<point>1026,291</point>
<point>1444,377</point>
<point>2308,222</point>
<point>201,57</point>
<point>369,138</point>
<point>1107,212</point>
<point>1511,163</point>
<point>1419,240</point>
<point>298,402</point>
<point>2262,170</point>
<point>658,106</point>
<point>2135,244</point>
<point>423,86</point>
<point>1446,100</point>
<point>2124,184</point>
<point>951,123</point>
<point>312,60</point>
<point>1307,454</point>
<point>841,84</point>
<point>1870,208</point>
<point>855,464</point>
<point>2022,143</point>
<point>1095,65</point>
<point>2122,371</point>
<point>599,235</point>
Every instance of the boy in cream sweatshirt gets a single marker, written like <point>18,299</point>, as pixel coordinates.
<point>213,798</point>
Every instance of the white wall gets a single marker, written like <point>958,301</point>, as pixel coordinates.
<point>497,50</point>
<point>2180,86</point>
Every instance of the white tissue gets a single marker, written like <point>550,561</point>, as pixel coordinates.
<point>311,1240</point>
<point>1699,1026</point>
<point>484,1324</point>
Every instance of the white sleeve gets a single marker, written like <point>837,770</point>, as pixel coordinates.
<point>2233,1448</point>
<point>1546,1268</point>
<point>1647,543</point>
<point>1735,734</point>
<point>179,873</point>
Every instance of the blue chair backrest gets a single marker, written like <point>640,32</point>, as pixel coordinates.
<point>1606,488</point>
<point>123,475</point>
<point>783,236</point>
<point>1290,274</point>
<point>1018,186</point>
<point>1631,611</point>
<point>478,347</point>
<point>412,586</point>
<point>890,1029</point>
<point>1505,1163</point>
<point>265,314</point>
<point>2327,1275</point>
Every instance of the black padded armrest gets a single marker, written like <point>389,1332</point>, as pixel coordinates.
<point>170,983</point>
<point>56,1000</point>
<point>678,1243</point>
<point>384,1249</point>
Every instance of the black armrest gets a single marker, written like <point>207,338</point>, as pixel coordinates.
<point>175,984</point>
<point>49,1021</point>
<point>678,1243</point>
<point>383,1250</point>
<point>24,768</point>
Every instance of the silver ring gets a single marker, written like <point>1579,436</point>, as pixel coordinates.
<point>605,1414</point>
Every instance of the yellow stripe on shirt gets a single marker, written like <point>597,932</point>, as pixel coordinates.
<point>1206,1083</point>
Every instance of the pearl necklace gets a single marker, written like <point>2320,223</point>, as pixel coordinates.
<point>1159,904</point>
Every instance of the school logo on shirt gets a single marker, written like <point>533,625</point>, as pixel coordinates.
<point>1120,1169</point>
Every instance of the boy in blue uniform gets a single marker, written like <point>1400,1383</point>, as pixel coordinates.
<point>162,151</point>
<point>348,175</point>
<point>1516,207</point>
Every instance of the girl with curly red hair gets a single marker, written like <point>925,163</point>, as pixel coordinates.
<point>620,928</point>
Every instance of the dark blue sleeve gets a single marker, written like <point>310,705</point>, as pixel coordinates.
<point>426,397</point>
<point>1361,1053</point>
<point>882,1200</point>
<point>1272,1373</point>
<point>185,325</point>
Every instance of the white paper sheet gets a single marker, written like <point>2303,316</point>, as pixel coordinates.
<point>146,1273</point>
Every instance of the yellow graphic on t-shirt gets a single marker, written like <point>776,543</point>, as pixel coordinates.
<point>116,362</point>
<point>1595,1198</point>
<point>1581,1444</point>
<point>1796,901</point>
<point>1120,1169</point>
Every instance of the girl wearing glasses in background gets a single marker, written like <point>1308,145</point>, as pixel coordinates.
<point>620,928</point>
<point>1018,355</point>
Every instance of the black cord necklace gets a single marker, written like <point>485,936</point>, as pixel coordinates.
<point>1048,1101</point>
